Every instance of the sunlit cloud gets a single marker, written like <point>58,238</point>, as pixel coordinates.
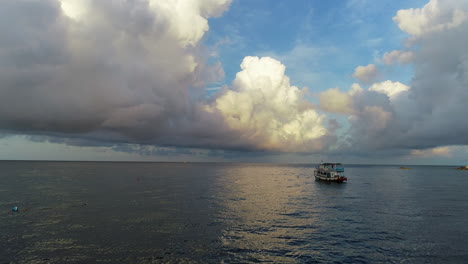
<point>268,111</point>
<point>366,74</point>
<point>391,89</point>
<point>74,9</point>
<point>435,16</point>
<point>433,152</point>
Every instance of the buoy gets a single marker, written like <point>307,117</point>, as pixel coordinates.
<point>15,209</point>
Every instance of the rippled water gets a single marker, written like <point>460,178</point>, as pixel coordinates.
<point>72,212</point>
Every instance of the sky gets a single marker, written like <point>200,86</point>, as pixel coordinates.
<point>352,81</point>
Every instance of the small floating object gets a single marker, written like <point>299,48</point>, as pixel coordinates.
<point>14,209</point>
<point>463,168</point>
<point>405,168</point>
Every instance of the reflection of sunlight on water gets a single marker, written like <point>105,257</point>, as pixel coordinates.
<point>266,213</point>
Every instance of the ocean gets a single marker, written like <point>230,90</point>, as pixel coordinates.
<point>112,212</point>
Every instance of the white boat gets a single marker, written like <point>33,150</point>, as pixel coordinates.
<point>332,172</point>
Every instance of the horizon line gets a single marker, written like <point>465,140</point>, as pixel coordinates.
<point>233,162</point>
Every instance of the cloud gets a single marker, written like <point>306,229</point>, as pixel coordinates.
<point>335,101</point>
<point>369,114</point>
<point>268,112</point>
<point>366,74</point>
<point>118,71</point>
<point>433,112</point>
<point>102,72</point>
<point>435,16</point>
<point>438,151</point>
<point>430,111</point>
<point>398,56</point>
<point>187,19</point>
<point>391,89</point>
<point>106,72</point>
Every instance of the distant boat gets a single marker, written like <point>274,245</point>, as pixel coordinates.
<point>405,168</point>
<point>462,168</point>
<point>332,172</point>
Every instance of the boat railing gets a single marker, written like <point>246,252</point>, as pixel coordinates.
<point>330,169</point>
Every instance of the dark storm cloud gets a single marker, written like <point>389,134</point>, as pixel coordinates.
<point>120,73</point>
<point>439,91</point>
<point>433,111</point>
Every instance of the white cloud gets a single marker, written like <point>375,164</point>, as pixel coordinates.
<point>391,89</point>
<point>74,9</point>
<point>269,112</point>
<point>366,74</point>
<point>434,16</point>
<point>398,56</point>
<point>188,19</point>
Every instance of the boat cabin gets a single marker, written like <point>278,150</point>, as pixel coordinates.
<point>330,170</point>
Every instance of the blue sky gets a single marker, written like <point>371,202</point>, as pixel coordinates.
<point>122,82</point>
<point>322,41</point>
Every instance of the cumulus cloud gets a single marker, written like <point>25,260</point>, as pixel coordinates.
<point>127,71</point>
<point>268,111</point>
<point>369,114</point>
<point>398,56</point>
<point>430,111</point>
<point>187,19</point>
<point>366,74</point>
<point>92,72</point>
<point>437,98</point>
<point>435,16</point>
<point>134,72</point>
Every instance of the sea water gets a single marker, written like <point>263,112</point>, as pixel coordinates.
<point>92,212</point>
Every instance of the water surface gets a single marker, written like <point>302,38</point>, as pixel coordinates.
<point>88,212</point>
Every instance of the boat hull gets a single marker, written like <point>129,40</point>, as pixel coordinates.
<point>330,179</point>
<point>338,180</point>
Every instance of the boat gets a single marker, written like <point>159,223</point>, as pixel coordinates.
<point>331,172</point>
<point>462,168</point>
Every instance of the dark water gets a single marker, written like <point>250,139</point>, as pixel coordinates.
<point>72,212</point>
